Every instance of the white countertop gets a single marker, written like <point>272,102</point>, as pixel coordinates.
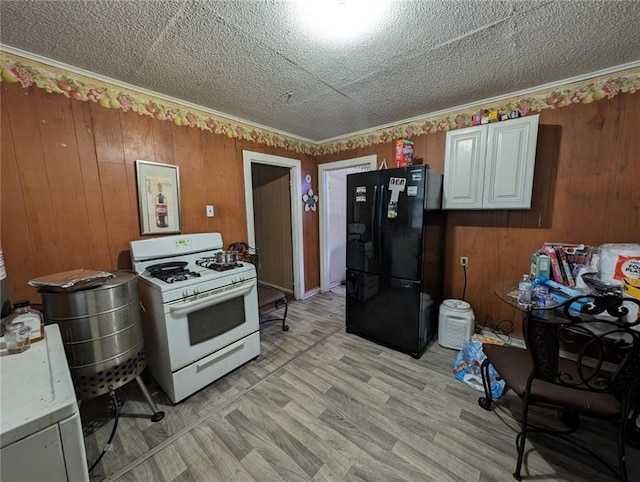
<point>36,388</point>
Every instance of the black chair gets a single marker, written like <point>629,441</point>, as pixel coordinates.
<point>271,296</point>
<point>602,380</point>
<point>267,296</point>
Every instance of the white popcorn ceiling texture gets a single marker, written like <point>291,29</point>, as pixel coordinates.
<point>255,61</point>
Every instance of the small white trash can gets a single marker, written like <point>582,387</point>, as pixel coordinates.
<point>455,323</point>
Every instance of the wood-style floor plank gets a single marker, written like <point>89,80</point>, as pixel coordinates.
<point>319,404</point>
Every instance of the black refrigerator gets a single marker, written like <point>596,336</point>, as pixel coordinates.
<point>395,246</point>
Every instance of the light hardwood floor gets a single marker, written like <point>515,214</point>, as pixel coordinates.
<point>320,404</point>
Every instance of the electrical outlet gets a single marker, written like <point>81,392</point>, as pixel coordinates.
<point>209,211</point>
<point>464,261</point>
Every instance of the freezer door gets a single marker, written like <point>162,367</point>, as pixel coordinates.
<point>401,221</point>
<point>362,221</point>
<point>388,311</point>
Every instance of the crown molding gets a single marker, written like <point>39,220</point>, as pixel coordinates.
<point>29,69</point>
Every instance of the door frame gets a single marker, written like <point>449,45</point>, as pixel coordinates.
<point>295,175</point>
<point>372,160</point>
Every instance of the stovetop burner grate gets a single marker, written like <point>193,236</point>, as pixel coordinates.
<point>173,276</point>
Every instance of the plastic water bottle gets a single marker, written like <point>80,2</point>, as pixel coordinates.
<point>525,291</point>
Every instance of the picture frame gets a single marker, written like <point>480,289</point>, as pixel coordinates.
<point>158,197</point>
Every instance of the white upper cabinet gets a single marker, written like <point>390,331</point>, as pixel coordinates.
<point>491,166</point>
<point>464,160</point>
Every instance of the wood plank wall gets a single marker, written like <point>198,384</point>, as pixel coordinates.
<point>585,191</point>
<point>69,197</point>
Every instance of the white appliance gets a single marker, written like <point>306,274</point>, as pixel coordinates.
<point>40,429</point>
<point>199,321</point>
<point>455,323</point>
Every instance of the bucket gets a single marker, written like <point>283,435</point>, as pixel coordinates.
<point>455,323</point>
<point>101,333</point>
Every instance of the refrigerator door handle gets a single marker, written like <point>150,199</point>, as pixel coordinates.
<point>375,213</point>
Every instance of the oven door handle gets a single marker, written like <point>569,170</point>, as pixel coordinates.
<point>212,299</point>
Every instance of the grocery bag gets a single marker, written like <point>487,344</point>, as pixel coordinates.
<point>466,368</point>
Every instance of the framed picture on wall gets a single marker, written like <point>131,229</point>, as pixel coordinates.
<point>158,197</point>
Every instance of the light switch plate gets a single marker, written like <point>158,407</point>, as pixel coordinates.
<point>209,211</point>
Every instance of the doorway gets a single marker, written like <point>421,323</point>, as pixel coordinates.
<point>332,178</point>
<point>274,219</point>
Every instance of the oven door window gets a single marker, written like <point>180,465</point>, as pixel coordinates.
<point>216,320</point>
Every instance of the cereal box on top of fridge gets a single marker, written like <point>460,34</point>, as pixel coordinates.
<point>404,153</point>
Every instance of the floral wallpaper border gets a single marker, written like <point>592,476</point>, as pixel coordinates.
<point>14,69</point>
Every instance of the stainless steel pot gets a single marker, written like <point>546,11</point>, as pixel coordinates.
<point>101,332</point>
<point>226,258</point>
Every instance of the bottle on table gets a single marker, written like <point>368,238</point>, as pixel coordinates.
<point>525,291</point>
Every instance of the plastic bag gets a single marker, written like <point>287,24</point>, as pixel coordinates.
<point>466,368</point>
<point>619,261</point>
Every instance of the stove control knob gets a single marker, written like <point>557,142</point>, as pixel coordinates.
<point>185,293</point>
<point>196,291</point>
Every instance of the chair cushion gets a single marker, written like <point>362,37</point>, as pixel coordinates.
<point>515,366</point>
<point>267,295</point>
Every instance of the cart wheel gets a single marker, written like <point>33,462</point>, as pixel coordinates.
<point>484,403</point>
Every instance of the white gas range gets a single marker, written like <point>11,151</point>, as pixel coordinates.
<point>199,323</point>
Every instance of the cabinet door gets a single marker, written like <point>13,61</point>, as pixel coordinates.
<point>464,168</point>
<point>36,457</point>
<point>511,153</point>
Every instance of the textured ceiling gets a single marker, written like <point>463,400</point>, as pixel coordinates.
<point>241,58</point>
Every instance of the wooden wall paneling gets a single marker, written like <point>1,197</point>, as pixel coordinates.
<point>623,223</point>
<point>225,186</point>
<point>434,151</point>
<point>311,228</point>
<point>485,248</point>
<point>213,160</point>
<point>107,134</point>
<point>162,132</point>
<point>15,235</point>
<point>92,193</point>
<point>382,151</point>
<point>122,220</point>
<point>583,179</point>
<point>246,145</point>
<point>187,152</point>
<point>540,216</point>
<point>28,148</point>
<point>62,169</point>
<point>515,265</point>
<point>419,149</point>
<point>137,131</point>
<point>137,137</point>
<point>338,156</point>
